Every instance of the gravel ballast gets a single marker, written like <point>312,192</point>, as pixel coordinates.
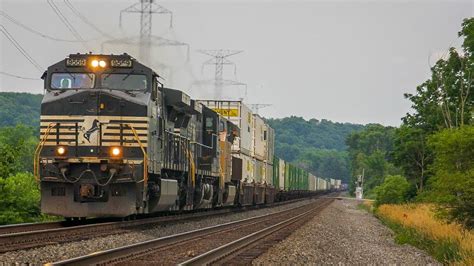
<point>344,235</point>
<point>57,252</point>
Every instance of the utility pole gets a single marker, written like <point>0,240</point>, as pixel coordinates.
<point>257,106</point>
<point>146,40</point>
<point>146,9</point>
<point>360,186</point>
<point>219,60</point>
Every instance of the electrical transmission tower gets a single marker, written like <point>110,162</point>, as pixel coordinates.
<point>146,9</point>
<point>257,106</point>
<point>219,60</point>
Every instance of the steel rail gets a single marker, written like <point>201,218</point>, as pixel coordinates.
<point>239,244</point>
<point>15,228</point>
<point>42,237</point>
<point>31,235</point>
<point>118,254</point>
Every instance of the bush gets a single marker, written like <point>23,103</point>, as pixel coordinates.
<point>394,189</point>
<point>19,201</point>
<point>452,185</point>
<point>17,146</point>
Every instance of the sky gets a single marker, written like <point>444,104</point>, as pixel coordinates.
<point>346,61</point>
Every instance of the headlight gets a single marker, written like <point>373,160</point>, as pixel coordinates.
<point>98,63</point>
<point>61,150</point>
<point>95,63</point>
<point>115,151</point>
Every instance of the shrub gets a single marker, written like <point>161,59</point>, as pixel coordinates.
<point>394,189</point>
<point>19,201</point>
<point>452,185</point>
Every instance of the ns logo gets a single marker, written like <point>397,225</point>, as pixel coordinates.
<point>89,131</point>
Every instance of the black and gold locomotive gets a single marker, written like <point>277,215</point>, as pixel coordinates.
<point>116,142</point>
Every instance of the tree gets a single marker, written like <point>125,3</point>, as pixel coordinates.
<point>453,182</point>
<point>412,154</point>
<point>17,145</point>
<point>446,100</point>
<point>393,190</point>
<point>316,145</point>
<point>371,150</point>
<point>19,108</point>
<point>20,199</point>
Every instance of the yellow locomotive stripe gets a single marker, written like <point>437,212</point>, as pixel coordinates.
<point>105,131</point>
<point>111,128</point>
<point>74,118</point>
<point>104,144</point>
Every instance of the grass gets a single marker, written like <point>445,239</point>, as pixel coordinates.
<point>366,205</point>
<point>416,224</point>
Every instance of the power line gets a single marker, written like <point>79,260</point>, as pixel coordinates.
<point>85,20</point>
<point>20,48</point>
<point>18,23</point>
<point>219,58</point>
<point>66,22</point>
<point>17,76</point>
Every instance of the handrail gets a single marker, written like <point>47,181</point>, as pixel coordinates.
<point>38,150</point>
<point>192,171</point>
<point>145,160</point>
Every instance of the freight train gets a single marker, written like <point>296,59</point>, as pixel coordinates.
<point>114,141</point>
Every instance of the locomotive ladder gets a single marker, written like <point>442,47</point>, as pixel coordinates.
<point>145,161</point>
<point>38,150</point>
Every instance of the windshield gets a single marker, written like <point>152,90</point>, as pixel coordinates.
<point>124,81</point>
<point>72,80</point>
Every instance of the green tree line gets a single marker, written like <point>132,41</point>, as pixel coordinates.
<point>19,108</point>
<point>315,145</point>
<point>430,157</point>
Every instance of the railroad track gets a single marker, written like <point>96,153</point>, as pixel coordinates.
<point>17,228</point>
<point>28,227</point>
<point>245,249</point>
<point>194,245</point>
<point>24,236</point>
<point>54,235</point>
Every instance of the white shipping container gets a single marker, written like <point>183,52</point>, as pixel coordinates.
<point>240,115</point>
<point>269,174</point>
<point>269,137</point>
<point>318,183</point>
<point>248,167</point>
<point>259,171</point>
<point>323,184</point>
<point>338,183</point>
<point>259,151</point>
<point>312,182</point>
<point>281,174</point>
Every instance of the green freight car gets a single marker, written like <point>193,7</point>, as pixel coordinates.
<point>295,178</point>
<point>276,172</point>
<point>288,177</point>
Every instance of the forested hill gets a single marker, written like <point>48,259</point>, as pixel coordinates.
<point>317,145</point>
<point>19,108</point>
<point>294,135</point>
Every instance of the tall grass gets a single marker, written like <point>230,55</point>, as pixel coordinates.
<point>416,224</point>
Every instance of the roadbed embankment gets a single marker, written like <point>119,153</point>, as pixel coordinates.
<point>343,234</point>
